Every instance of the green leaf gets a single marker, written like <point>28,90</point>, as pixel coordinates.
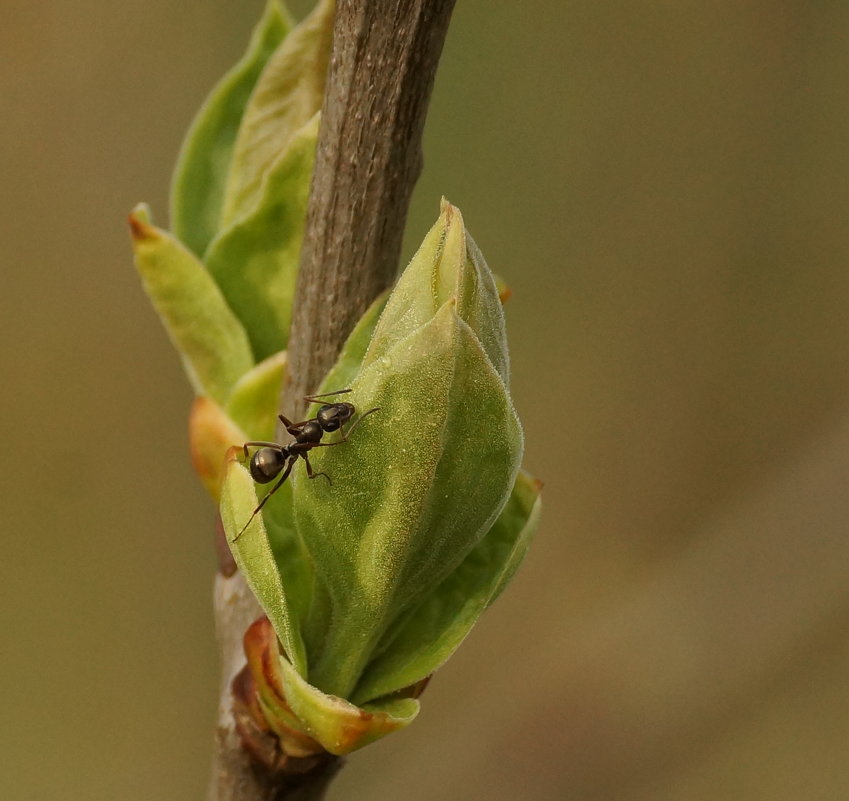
<point>350,359</point>
<point>197,189</point>
<point>340,376</point>
<point>342,727</point>
<point>256,558</point>
<point>422,640</point>
<point>414,490</point>
<point>447,265</point>
<point>203,328</point>
<point>479,304</point>
<point>256,395</point>
<point>521,514</point>
<point>255,259</point>
<point>293,560</point>
<point>288,94</point>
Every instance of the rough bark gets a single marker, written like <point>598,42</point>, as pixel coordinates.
<point>369,156</point>
<point>379,83</point>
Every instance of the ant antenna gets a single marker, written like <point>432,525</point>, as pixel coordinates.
<point>313,398</point>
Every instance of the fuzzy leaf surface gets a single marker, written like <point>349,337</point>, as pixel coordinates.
<point>350,359</point>
<point>414,490</point>
<point>288,94</point>
<point>212,342</point>
<point>197,190</point>
<point>421,641</point>
<point>255,259</point>
<point>447,265</point>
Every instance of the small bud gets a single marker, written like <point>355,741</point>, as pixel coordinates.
<point>372,581</point>
<point>422,480</point>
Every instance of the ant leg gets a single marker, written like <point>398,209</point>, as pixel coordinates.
<point>310,473</point>
<point>293,428</point>
<point>312,398</point>
<point>292,460</point>
<point>356,422</point>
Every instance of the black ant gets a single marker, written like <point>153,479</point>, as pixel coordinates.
<point>272,458</point>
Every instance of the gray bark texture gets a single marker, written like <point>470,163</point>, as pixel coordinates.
<point>369,157</point>
<point>380,78</point>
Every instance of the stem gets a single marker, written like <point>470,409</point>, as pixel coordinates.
<point>381,74</point>
<point>368,159</point>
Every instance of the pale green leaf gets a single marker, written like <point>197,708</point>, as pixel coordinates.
<point>255,259</point>
<point>256,395</point>
<point>293,560</point>
<point>287,95</point>
<point>479,304</point>
<point>447,265</point>
<point>416,487</point>
<point>197,190</point>
<point>210,339</point>
<point>256,559</point>
<point>522,512</point>
<point>423,639</point>
<point>350,359</point>
<point>337,724</point>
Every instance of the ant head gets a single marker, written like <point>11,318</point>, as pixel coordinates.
<point>266,464</point>
<point>333,416</point>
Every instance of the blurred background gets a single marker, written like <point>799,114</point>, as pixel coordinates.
<point>665,185</point>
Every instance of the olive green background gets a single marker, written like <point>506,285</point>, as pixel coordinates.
<point>665,185</point>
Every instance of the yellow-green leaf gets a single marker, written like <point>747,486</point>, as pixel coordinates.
<point>342,727</point>
<point>255,397</point>
<point>203,328</point>
<point>422,640</point>
<point>254,556</point>
<point>255,259</point>
<point>287,95</point>
<point>197,190</point>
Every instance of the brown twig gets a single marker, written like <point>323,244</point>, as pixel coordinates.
<point>379,82</point>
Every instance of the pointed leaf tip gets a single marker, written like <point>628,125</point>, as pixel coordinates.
<point>139,221</point>
<point>213,343</point>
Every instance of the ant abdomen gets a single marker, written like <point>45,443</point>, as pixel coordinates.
<point>266,464</point>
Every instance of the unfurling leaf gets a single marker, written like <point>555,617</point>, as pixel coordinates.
<point>197,190</point>
<point>203,328</point>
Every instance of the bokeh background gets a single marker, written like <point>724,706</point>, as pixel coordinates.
<point>665,185</point>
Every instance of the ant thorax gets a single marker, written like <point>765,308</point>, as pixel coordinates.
<point>310,432</point>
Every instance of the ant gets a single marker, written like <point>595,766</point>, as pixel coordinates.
<point>272,458</point>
